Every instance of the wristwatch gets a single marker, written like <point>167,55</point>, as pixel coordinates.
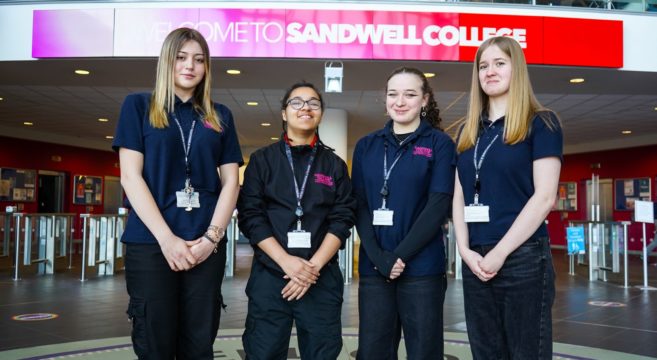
<point>216,232</point>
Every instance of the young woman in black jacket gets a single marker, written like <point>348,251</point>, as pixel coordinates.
<point>296,208</point>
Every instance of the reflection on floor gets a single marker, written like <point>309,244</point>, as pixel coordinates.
<point>626,322</point>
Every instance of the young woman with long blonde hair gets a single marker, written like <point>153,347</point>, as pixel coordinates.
<point>509,159</point>
<point>179,158</point>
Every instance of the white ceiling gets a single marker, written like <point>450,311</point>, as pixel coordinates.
<point>64,107</point>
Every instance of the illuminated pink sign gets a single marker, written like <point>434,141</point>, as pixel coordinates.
<point>332,34</point>
<point>73,33</point>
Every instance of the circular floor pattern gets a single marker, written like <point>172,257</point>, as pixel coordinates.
<point>229,347</point>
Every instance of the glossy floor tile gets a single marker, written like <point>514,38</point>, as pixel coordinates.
<point>596,314</point>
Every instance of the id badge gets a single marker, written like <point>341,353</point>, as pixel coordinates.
<point>382,217</point>
<point>184,200</point>
<point>476,213</point>
<point>298,239</point>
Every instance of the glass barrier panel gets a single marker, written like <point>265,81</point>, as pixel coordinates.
<point>651,5</point>
<point>628,5</point>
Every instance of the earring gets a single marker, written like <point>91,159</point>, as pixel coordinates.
<point>424,112</point>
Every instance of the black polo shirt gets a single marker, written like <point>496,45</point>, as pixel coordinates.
<point>506,174</point>
<point>164,163</point>
<point>425,166</point>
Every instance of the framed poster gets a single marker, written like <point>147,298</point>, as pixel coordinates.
<point>627,191</point>
<point>17,185</point>
<point>566,196</point>
<point>87,190</point>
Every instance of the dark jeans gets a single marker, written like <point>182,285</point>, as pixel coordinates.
<point>510,316</point>
<point>270,316</point>
<point>173,314</point>
<point>411,304</point>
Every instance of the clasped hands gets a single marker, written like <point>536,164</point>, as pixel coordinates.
<point>183,255</point>
<point>301,274</point>
<point>484,267</point>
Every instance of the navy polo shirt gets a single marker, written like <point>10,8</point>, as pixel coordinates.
<point>506,174</point>
<point>164,163</point>
<point>425,166</point>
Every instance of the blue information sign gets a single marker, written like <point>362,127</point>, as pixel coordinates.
<point>575,237</point>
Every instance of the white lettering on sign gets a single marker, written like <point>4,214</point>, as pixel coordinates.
<point>322,33</point>
<point>449,35</point>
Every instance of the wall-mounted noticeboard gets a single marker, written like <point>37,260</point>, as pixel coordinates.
<point>17,185</point>
<point>566,197</point>
<point>627,191</point>
<point>87,190</point>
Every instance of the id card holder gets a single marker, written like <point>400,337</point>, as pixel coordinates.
<point>187,201</point>
<point>476,213</point>
<point>382,217</point>
<point>298,239</point>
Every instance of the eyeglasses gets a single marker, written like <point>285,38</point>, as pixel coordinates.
<point>298,103</point>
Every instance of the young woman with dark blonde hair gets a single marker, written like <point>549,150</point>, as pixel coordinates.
<point>508,164</point>
<point>179,158</point>
<point>403,178</point>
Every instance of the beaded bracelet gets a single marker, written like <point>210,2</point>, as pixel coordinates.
<point>215,242</point>
<point>214,234</point>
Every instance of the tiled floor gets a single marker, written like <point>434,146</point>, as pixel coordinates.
<point>95,309</point>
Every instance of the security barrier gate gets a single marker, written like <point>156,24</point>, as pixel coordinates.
<point>41,242</point>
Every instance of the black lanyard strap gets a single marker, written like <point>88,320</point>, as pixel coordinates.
<point>186,146</point>
<point>299,192</point>
<point>477,164</point>
<point>386,172</point>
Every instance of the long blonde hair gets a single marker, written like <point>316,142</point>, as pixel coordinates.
<point>522,104</point>
<point>163,98</point>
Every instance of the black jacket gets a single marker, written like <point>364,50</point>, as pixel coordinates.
<point>267,200</point>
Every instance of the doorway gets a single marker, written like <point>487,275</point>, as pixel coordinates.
<point>113,195</point>
<point>50,195</point>
<point>605,200</point>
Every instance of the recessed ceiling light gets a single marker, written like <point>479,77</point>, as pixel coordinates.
<point>1,99</point>
<point>233,72</point>
<point>109,137</point>
<point>429,75</point>
<point>28,123</point>
<point>626,132</point>
<point>576,80</point>
<point>103,120</point>
<point>252,103</point>
<point>265,124</point>
<point>655,108</point>
<point>274,138</point>
<point>82,72</point>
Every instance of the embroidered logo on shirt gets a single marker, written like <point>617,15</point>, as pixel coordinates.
<point>422,151</point>
<point>323,179</point>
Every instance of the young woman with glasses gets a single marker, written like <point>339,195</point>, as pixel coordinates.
<point>509,159</point>
<point>403,176</point>
<point>296,208</point>
<point>179,168</point>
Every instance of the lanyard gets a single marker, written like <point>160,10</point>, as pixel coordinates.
<point>299,192</point>
<point>387,172</point>
<point>477,165</point>
<point>186,147</point>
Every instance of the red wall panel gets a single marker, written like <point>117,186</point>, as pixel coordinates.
<point>26,154</point>
<point>614,164</point>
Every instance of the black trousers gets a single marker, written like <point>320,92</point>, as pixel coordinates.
<point>510,316</point>
<point>413,304</point>
<point>316,314</point>
<point>174,315</point>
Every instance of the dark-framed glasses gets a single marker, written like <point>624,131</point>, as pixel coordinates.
<point>298,103</point>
